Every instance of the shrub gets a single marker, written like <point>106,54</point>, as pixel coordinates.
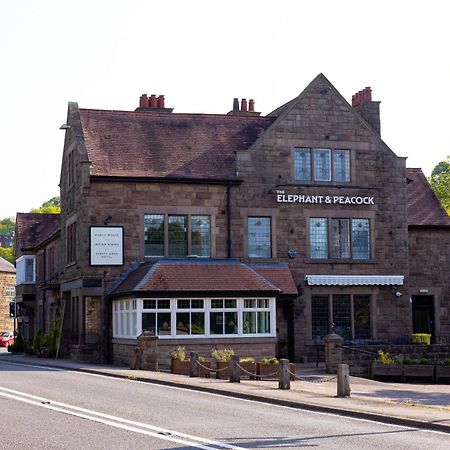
<point>424,361</point>
<point>269,360</point>
<point>385,358</point>
<point>222,354</point>
<point>408,360</point>
<point>248,359</point>
<point>179,354</point>
<point>421,338</point>
<point>446,361</point>
<point>19,344</point>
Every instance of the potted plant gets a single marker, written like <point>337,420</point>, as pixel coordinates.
<point>248,366</point>
<point>385,366</point>
<point>443,369</point>
<point>222,357</point>
<point>179,364</point>
<point>422,368</point>
<point>267,367</point>
<point>420,338</point>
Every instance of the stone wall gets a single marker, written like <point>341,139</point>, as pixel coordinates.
<point>6,280</point>
<point>359,362</point>
<point>429,250</point>
<point>255,347</point>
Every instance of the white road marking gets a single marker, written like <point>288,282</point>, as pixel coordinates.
<point>117,422</point>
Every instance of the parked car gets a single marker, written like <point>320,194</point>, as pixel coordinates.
<point>6,337</point>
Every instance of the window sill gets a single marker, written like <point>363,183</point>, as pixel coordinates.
<point>340,261</point>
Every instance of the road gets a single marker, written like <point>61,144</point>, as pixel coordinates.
<point>47,408</point>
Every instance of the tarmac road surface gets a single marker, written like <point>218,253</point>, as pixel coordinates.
<point>48,408</point>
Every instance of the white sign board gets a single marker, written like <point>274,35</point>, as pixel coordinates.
<point>106,246</point>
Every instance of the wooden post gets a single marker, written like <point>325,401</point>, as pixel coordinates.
<point>235,372</point>
<point>284,378</point>
<point>194,366</point>
<point>343,381</point>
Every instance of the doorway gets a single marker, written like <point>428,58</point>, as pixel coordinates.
<point>423,314</point>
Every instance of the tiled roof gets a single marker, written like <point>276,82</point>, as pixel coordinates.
<point>151,144</point>
<point>6,266</point>
<point>201,276</point>
<point>279,275</point>
<point>423,207</point>
<point>33,228</point>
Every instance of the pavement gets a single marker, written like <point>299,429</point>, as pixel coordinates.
<point>424,406</point>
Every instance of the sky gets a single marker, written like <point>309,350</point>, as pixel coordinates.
<point>104,54</point>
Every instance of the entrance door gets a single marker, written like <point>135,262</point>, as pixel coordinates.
<point>423,314</point>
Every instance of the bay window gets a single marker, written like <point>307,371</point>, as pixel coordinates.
<point>194,318</point>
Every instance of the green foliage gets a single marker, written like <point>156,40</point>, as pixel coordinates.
<point>7,222</point>
<point>36,345</point>
<point>385,358</point>
<point>47,342</point>
<point>179,354</point>
<point>269,360</point>
<point>421,338</point>
<point>7,253</point>
<point>222,354</point>
<point>440,182</point>
<point>446,361</point>
<point>247,359</point>
<point>408,360</point>
<point>19,344</point>
<point>424,361</point>
<point>52,206</point>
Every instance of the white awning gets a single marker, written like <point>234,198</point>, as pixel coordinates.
<point>354,280</point>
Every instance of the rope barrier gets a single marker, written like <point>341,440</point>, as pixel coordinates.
<point>312,381</point>
<point>247,372</point>
<point>212,370</point>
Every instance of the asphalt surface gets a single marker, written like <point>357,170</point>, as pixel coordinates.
<point>27,394</point>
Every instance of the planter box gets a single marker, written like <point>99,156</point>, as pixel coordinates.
<point>248,367</point>
<point>184,368</point>
<point>418,371</point>
<point>223,372</point>
<point>265,371</point>
<point>180,367</point>
<point>442,372</point>
<point>385,370</point>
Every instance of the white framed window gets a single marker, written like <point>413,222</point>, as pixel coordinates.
<point>10,291</point>
<point>125,318</point>
<point>187,318</point>
<point>26,270</point>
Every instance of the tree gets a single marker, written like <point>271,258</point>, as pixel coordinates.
<point>440,182</point>
<point>7,254</point>
<point>7,222</point>
<point>52,206</point>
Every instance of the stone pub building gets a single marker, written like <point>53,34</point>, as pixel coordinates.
<point>246,231</point>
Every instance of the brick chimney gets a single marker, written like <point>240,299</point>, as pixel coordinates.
<point>246,109</point>
<point>153,104</point>
<point>370,110</point>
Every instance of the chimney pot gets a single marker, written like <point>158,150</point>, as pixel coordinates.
<point>243,104</point>
<point>235,104</point>
<point>153,101</point>
<point>251,105</point>
<point>143,101</point>
<point>353,100</point>
<point>161,102</point>
<point>368,94</point>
